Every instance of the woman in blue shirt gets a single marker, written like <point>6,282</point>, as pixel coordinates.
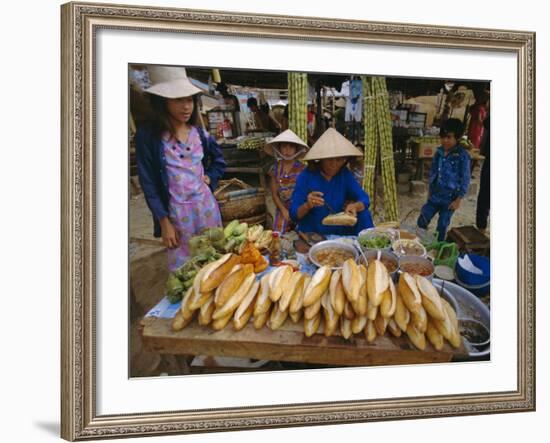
<point>327,182</point>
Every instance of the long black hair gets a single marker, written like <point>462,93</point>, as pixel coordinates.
<point>161,119</point>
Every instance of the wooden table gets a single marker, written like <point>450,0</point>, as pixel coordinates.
<point>289,344</point>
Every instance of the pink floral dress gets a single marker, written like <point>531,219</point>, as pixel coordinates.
<point>192,206</point>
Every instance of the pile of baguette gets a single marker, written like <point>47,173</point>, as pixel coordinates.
<point>350,301</point>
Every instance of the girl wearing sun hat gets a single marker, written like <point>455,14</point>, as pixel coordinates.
<point>287,148</point>
<point>179,163</point>
<point>328,183</point>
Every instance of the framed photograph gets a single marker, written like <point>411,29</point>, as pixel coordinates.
<point>253,235</point>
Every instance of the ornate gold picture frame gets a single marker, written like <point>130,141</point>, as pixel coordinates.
<point>80,22</point>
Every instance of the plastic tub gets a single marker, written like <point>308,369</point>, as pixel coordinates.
<point>470,279</point>
<point>477,290</point>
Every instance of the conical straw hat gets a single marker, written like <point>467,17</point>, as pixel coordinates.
<point>170,82</point>
<point>284,137</point>
<point>341,102</point>
<point>332,144</point>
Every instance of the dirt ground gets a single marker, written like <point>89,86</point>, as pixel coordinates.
<point>148,265</point>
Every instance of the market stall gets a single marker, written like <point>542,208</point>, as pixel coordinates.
<point>365,300</point>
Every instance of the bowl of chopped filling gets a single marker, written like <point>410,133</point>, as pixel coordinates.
<point>375,239</point>
<point>332,253</point>
<point>408,247</point>
<point>416,265</point>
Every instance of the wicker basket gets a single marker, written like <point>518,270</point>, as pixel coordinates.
<point>240,207</point>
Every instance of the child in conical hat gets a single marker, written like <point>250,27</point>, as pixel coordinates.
<point>287,148</point>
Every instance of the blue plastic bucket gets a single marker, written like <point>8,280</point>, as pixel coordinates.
<point>478,291</point>
<point>468,278</point>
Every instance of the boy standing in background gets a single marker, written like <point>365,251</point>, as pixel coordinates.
<point>449,179</point>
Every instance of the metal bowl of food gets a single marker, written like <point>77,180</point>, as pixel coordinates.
<point>474,331</point>
<point>408,247</point>
<point>403,234</point>
<point>332,253</point>
<point>416,265</point>
<point>375,239</point>
<point>388,259</point>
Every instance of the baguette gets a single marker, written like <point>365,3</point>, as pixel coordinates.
<point>337,293</point>
<point>402,315</point>
<point>229,285</point>
<point>417,338</point>
<point>248,300</point>
<point>206,311</point>
<point>199,299</point>
<point>370,331</point>
<point>277,318</point>
<point>420,319</point>
<point>381,324</point>
<point>394,328</point>
<point>294,286</point>
<point>389,301</point>
<point>345,327</point>
<point>317,286</point>
<point>434,337</point>
<point>372,311</point>
<point>186,310</point>
<point>263,301</point>
<point>358,324</point>
<point>297,302</point>
<point>454,339</point>
<point>361,305</point>
<point>233,303</point>
<point>278,282</point>
<point>260,320</point>
<point>215,275</point>
<point>296,316</point>
<point>351,279</point>
<point>312,325</point>
<point>220,323</point>
<point>199,277</point>
<point>179,321</point>
<point>430,298</point>
<point>409,292</point>
<point>378,281</point>
<point>241,321</point>
<point>339,219</point>
<point>349,313</point>
<point>444,327</point>
<point>330,316</point>
<point>312,310</point>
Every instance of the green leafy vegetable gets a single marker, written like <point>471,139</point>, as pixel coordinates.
<point>374,242</point>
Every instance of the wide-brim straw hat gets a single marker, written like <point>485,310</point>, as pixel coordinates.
<point>332,144</point>
<point>170,82</point>
<point>287,136</point>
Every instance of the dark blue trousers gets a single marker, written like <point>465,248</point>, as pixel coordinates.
<point>428,212</point>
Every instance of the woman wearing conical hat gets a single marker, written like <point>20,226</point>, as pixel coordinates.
<point>287,148</point>
<point>328,183</point>
<point>179,163</point>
